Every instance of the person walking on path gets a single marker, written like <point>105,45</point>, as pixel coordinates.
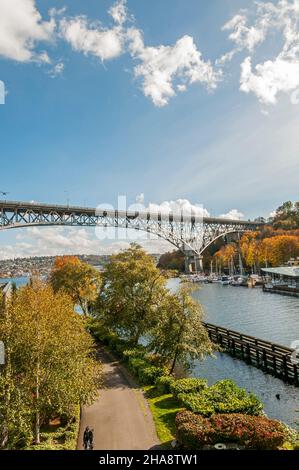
<point>90,439</point>
<point>86,438</point>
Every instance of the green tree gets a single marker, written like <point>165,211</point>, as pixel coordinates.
<point>132,291</point>
<point>49,366</point>
<point>179,335</point>
<point>287,216</point>
<point>79,280</point>
<point>174,260</point>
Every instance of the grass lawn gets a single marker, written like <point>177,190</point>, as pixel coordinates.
<point>164,409</point>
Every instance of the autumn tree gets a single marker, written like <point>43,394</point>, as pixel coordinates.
<point>49,366</point>
<point>133,288</point>
<point>79,280</point>
<point>179,335</point>
<point>279,249</point>
<point>287,216</point>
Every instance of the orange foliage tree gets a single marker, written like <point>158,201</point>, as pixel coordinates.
<point>79,280</point>
<point>267,248</point>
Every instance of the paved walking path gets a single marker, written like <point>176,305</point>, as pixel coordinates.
<point>120,417</point>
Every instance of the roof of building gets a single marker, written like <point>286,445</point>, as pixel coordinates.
<point>288,271</point>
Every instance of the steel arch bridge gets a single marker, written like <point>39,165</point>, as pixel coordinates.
<point>187,232</point>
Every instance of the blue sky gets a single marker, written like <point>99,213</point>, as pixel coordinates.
<point>74,123</point>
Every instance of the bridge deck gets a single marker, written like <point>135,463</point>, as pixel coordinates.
<point>12,206</point>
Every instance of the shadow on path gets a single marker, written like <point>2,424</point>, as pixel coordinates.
<point>120,416</point>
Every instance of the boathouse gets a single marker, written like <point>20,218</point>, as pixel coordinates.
<point>283,280</point>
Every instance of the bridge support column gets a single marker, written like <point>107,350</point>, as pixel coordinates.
<point>193,262</point>
<point>198,263</point>
<point>188,267</point>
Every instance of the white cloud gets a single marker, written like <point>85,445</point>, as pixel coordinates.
<point>233,214</point>
<point>269,78</point>
<point>272,214</point>
<point>2,92</point>
<point>91,38</point>
<point>162,68</point>
<point>278,74</point>
<point>244,36</point>
<point>21,29</point>
<point>56,241</point>
<point>119,12</point>
<point>57,70</point>
<point>140,198</point>
<point>178,206</point>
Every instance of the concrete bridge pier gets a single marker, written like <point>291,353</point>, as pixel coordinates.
<point>193,262</point>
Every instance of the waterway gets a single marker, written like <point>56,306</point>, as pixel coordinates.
<point>18,281</point>
<point>268,316</point>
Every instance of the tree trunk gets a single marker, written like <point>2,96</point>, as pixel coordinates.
<point>37,413</point>
<point>174,361</point>
<point>7,384</point>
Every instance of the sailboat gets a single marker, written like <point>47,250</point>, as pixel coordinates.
<point>241,279</point>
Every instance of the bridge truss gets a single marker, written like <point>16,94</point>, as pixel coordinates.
<point>187,232</point>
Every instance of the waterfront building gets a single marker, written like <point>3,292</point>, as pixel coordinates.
<point>283,280</point>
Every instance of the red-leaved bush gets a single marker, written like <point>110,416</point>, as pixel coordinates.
<point>255,432</point>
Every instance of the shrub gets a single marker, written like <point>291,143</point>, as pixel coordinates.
<point>164,383</point>
<point>222,397</point>
<point>120,346</point>
<point>154,359</point>
<point>255,432</point>
<point>133,352</point>
<point>99,331</point>
<point>113,341</point>
<point>149,374</point>
<point>136,363</point>
<point>188,386</point>
<point>196,403</point>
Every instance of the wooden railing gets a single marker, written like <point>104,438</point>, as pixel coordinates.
<point>272,358</point>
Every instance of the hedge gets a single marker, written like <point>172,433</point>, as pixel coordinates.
<point>149,374</point>
<point>222,397</point>
<point>253,432</point>
<point>164,383</point>
<point>143,364</point>
<point>188,386</point>
<point>133,352</point>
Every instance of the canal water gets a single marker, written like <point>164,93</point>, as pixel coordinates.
<point>268,316</point>
<point>18,281</point>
